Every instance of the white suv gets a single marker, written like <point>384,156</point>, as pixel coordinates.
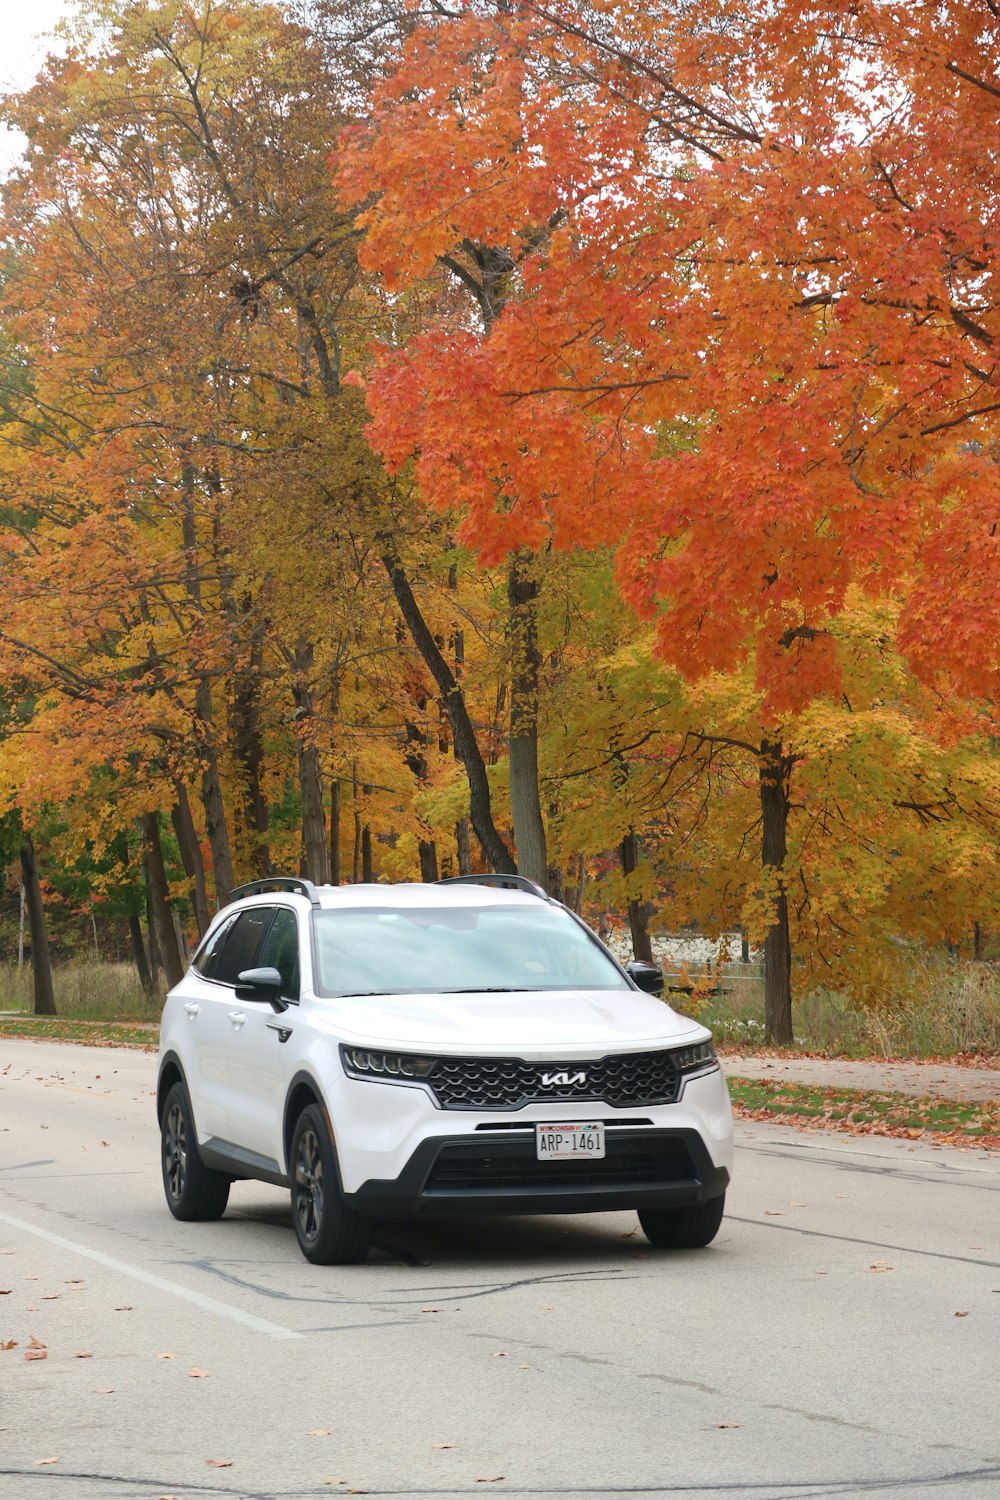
<point>468,1045</point>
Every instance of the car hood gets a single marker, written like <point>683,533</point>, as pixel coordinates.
<point>571,1023</point>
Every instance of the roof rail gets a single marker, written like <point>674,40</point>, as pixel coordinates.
<point>506,882</point>
<point>275,883</point>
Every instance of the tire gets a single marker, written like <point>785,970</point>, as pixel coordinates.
<point>683,1228</point>
<point>193,1191</point>
<point>329,1233</point>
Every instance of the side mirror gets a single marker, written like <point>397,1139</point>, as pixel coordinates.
<point>647,976</point>
<point>260,984</point>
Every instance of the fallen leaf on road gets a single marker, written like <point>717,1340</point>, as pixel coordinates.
<point>5,1291</point>
<point>39,1461</point>
<point>796,1204</point>
<point>961,1315</point>
<point>430,1309</point>
<point>880,1265</point>
<point>36,1354</point>
<point>775,1213</point>
<point>219,1463</point>
<point>166,1356</point>
<point>318,1432</point>
<point>9,1344</point>
<point>442,1445</point>
<point>104,1390</point>
<point>125,1307</point>
<point>727,1424</point>
<point>501,1354</point>
<point>488,1478</point>
<point>83,1354</point>
<point>51,1296</point>
<point>74,1281</point>
<point>197,1374</point>
<point>333,1481</point>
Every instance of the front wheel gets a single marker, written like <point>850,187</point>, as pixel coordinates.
<point>193,1191</point>
<point>329,1233</point>
<point>683,1228</point>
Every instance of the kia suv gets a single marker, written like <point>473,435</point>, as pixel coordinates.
<point>467,1045</point>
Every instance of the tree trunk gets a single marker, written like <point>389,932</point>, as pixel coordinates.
<point>154,952</point>
<point>366,855</point>
<point>212,799</point>
<point>162,916</point>
<point>356,805</point>
<point>335,831</point>
<point>464,736</point>
<point>775,773</point>
<point>428,860</point>
<point>190,852</point>
<point>628,853</point>
<point>211,786</point>
<point>315,864</point>
<point>244,718</point>
<point>525,803</point>
<point>139,954</point>
<point>41,963</point>
<point>462,847</point>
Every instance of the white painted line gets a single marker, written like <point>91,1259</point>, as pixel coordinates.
<point>160,1283</point>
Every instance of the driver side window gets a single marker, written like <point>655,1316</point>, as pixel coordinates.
<point>281,951</point>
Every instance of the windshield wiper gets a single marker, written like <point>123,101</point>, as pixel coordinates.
<point>497,989</point>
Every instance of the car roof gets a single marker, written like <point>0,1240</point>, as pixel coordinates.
<point>413,894</point>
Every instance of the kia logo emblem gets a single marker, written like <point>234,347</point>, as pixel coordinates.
<point>562,1080</point>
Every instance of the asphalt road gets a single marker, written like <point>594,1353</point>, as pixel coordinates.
<point>840,1338</point>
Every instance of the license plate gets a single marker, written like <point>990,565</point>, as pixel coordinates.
<point>575,1142</point>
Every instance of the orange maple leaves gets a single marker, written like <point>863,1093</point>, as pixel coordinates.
<point>747,323</point>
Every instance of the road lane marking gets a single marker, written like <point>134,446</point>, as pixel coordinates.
<point>160,1283</point>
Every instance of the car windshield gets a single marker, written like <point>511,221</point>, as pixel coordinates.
<point>455,950</point>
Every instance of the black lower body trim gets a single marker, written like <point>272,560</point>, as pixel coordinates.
<point>477,1173</point>
<point>223,1156</point>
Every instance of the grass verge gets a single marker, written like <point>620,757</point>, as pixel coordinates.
<point>141,1034</point>
<point>860,1112</point>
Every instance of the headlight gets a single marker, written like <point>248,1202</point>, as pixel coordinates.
<point>701,1055</point>
<point>362,1062</point>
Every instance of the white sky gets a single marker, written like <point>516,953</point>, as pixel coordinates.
<point>22,51</point>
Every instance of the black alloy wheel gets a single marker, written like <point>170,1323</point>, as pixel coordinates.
<point>328,1231</point>
<point>192,1190</point>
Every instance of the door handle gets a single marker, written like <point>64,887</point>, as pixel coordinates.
<point>238,1018</point>
<point>192,1009</point>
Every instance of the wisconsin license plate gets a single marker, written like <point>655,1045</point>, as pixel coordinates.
<point>575,1142</point>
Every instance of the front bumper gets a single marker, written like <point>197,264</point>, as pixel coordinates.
<point>496,1171</point>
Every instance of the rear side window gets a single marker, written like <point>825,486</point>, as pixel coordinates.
<point>240,946</point>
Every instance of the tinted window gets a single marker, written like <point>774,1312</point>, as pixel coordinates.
<point>281,951</point>
<point>239,949</point>
<point>205,959</point>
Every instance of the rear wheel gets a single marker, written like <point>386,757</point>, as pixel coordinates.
<point>193,1191</point>
<point>683,1228</point>
<point>329,1233</point>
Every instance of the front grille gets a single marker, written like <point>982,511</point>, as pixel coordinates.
<point>639,1078</point>
<point>512,1166</point>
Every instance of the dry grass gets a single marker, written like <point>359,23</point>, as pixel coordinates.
<point>942,1009</point>
<point>85,990</point>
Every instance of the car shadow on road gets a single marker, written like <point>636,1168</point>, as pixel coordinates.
<point>477,1240</point>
